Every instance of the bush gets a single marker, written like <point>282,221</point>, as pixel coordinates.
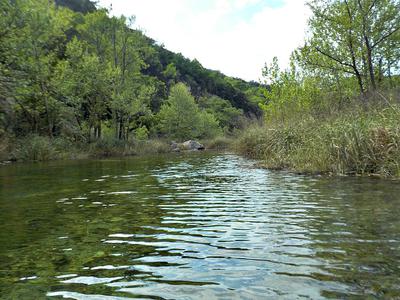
<point>153,147</point>
<point>5,147</point>
<point>142,133</point>
<point>109,146</point>
<point>35,148</point>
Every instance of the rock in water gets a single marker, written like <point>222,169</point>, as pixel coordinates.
<point>192,145</point>
<point>175,147</point>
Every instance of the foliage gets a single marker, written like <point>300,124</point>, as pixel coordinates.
<point>79,73</point>
<point>219,143</point>
<point>240,94</point>
<point>142,133</point>
<point>227,116</point>
<point>314,119</point>
<point>36,148</point>
<point>208,126</point>
<point>83,6</point>
<point>111,147</point>
<point>357,38</point>
<point>181,118</point>
<point>352,45</point>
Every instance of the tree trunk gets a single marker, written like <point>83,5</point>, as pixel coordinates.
<point>99,130</point>
<point>380,69</point>
<point>90,134</point>
<point>49,124</point>
<point>352,52</point>
<point>368,46</point>
<point>121,129</point>
<point>370,64</point>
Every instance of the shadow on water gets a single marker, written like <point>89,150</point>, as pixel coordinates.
<point>192,227</point>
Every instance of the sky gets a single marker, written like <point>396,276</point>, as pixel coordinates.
<point>236,37</point>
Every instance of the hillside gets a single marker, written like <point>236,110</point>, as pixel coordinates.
<point>241,94</point>
<point>68,70</point>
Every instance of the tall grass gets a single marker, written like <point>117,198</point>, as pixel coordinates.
<point>42,148</point>
<point>110,147</point>
<point>358,141</point>
<point>35,148</point>
<point>219,143</point>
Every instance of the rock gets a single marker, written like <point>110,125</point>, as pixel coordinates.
<point>175,147</point>
<point>192,145</point>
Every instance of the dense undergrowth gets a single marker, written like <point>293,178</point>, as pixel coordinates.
<point>361,140</point>
<point>42,148</point>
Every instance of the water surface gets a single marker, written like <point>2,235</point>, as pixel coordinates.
<point>209,226</point>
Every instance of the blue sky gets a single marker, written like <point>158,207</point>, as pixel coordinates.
<point>236,37</point>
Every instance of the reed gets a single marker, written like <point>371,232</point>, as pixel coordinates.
<point>361,141</point>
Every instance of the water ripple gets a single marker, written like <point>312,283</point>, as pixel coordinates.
<point>214,227</point>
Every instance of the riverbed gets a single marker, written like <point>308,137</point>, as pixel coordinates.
<point>194,226</point>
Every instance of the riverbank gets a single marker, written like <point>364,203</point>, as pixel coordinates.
<point>359,141</point>
<point>41,148</point>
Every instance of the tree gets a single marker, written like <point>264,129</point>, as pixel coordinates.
<point>82,73</point>
<point>84,84</point>
<point>179,115</point>
<point>227,116</point>
<point>353,37</point>
<point>31,45</point>
<point>181,118</point>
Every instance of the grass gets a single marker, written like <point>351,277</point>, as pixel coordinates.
<point>42,148</point>
<point>361,141</point>
<point>219,143</point>
<point>113,147</point>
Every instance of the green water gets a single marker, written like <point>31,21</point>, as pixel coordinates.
<point>208,226</point>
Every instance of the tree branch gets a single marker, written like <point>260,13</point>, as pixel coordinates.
<point>314,64</point>
<point>385,37</point>
<point>333,58</point>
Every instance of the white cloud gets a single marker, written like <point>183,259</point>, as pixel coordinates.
<point>219,33</point>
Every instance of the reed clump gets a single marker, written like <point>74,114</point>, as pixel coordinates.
<point>357,142</point>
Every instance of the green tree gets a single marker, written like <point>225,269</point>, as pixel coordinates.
<point>208,126</point>
<point>31,45</point>
<point>228,117</point>
<point>353,37</point>
<point>84,84</point>
<point>181,118</point>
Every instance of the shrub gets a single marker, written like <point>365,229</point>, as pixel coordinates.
<point>142,133</point>
<point>35,148</point>
<point>108,146</point>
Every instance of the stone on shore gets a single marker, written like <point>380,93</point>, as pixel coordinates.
<point>192,146</point>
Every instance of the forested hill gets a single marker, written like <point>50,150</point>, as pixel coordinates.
<point>68,69</point>
<point>170,67</point>
<point>82,6</point>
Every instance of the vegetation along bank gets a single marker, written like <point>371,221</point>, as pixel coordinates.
<point>76,82</point>
<point>336,109</point>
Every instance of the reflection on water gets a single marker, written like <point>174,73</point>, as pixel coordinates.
<point>194,227</point>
